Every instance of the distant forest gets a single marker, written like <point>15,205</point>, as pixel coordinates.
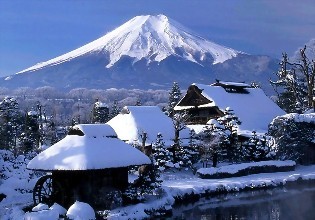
<point>78,103</point>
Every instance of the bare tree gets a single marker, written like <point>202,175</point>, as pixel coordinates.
<point>297,80</point>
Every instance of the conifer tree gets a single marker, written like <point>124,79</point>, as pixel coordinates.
<point>30,138</point>
<point>100,113</point>
<point>10,120</point>
<point>192,148</point>
<point>115,110</point>
<point>174,97</point>
<point>228,124</point>
<point>162,158</point>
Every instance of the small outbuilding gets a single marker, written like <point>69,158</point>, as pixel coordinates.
<point>89,164</point>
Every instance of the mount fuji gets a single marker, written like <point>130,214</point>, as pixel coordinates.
<point>146,52</point>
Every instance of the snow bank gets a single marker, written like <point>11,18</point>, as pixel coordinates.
<point>246,169</point>
<point>42,215</point>
<point>40,207</point>
<point>59,209</point>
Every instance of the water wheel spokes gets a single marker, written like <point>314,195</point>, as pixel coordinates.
<point>46,190</point>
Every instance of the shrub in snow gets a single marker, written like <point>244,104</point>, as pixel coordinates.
<point>13,172</point>
<point>293,136</point>
<point>256,149</point>
<point>148,183</point>
<point>80,211</point>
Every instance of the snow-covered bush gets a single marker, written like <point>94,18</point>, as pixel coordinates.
<point>293,136</point>
<point>257,149</point>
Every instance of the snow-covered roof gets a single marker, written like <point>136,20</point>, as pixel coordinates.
<point>96,130</point>
<point>93,150</point>
<point>134,120</point>
<point>254,109</point>
<point>226,83</point>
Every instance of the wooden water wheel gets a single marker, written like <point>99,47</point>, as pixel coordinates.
<point>47,191</point>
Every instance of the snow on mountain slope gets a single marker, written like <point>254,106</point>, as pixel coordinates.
<point>153,38</point>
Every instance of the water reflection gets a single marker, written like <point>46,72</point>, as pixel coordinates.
<point>275,204</point>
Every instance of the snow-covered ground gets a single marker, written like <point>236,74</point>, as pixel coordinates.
<point>175,185</point>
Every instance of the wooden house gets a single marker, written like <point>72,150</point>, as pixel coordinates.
<point>253,108</point>
<point>88,165</point>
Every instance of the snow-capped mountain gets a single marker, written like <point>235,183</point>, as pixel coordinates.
<point>152,38</point>
<point>145,52</point>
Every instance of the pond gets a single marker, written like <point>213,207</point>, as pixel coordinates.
<point>278,203</point>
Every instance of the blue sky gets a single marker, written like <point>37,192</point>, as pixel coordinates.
<point>38,30</point>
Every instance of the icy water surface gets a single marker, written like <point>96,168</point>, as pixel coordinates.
<point>275,204</point>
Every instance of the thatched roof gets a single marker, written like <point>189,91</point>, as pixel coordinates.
<point>96,149</point>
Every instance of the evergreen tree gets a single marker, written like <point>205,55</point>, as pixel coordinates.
<point>228,125</point>
<point>174,97</point>
<point>115,110</point>
<point>187,155</point>
<point>138,103</point>
<point>30,138</point>
<point>162,158</point>
<point>192,148</point>
<point>100,113</point>
<point>10,120</point>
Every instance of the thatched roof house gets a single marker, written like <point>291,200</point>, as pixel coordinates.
<point>86,165</point>
<point>88,147</point>
<point>134,120</point>
<point>254,109</point>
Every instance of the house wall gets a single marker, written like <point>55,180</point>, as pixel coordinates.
<point>91,186</point>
